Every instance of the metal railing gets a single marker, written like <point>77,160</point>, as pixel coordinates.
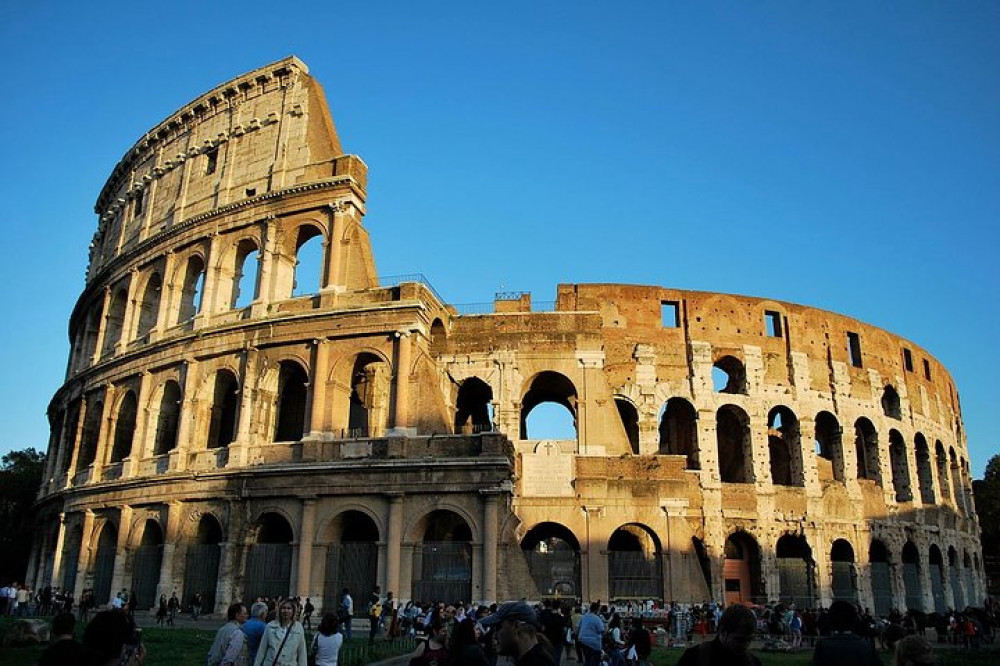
<point>396,280</point>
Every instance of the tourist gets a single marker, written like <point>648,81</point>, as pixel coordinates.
<point>842,645</point>
<point>173,607</point>
<point>374,616</point>
<point>640,641</point>
<point>284,640</point>
<point>345,613</point>
<point>307,612</point>
<point>327,641</point>
<point>590,635</point>
<point>112,639</point>
<point>615,645</point>
<point>161,611</point>
<point>433,650</point>
<point>730,645</point>
<point>463,646</point>
<point>913,650</point>
<point>254,627</point>
<point>555,625</point>
<point>518,634</point>
<point>64,648</point>
<point>195,606</point>
<point>230,645</point>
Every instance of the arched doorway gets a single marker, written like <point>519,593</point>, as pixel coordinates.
<point>559,416</point>
<point>269,563</point>
<point>784,448</point>
<point>201,570</point>
<point>146,565</point>
<point>351,559</point>
<point>368,406</point>
<point>553,556</point>
<point>866,450</point>
<point>937,579</point>
<point>70,558</point>
<point>679,431</point>
<point>104,563</point>
<point>845,584</point>
<point>474,406</point>
<point>969,580</point>
<point>293,383</point>
<point>629,416</point>
<point>954,575</point>
<point>911,577</point>
<point>795,570</point>
<point>741,570</point>
<point>442,561</point>
<point>635,564</point>
<point>878,560</point>
<point>732,430</point>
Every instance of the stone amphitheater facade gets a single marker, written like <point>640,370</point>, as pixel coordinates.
<point>230,428</point>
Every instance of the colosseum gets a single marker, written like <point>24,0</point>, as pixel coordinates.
<point>232,426</point>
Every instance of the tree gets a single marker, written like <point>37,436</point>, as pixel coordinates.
<point>987,496</point>
<point>20,478</point>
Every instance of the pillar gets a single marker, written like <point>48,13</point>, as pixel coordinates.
<point>394,544</point>
<point>56,575</point>
<point>401,404</point>
<point>187,418</point>
<point>121,550</point>
<point>104,434</point>
<point>86,553</point>
<point>102,327</point>
<point>171,535</point>
<point>332,277</point>
<point>321,362</point>
<point>306,529</point>
<point>491,513</point>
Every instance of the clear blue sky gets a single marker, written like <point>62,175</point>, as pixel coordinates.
<point>842,155</point>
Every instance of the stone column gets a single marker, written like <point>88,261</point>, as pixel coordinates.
<point>209,306</point>
<point>491,514</point>
<point>760,459</point>
<point>163,313</point>
<point>57,557</point>
<point>823,570</point>
<point>898,585</point>
<point>238,449</point>
<point>306,529</point>
<point>128,326</point>
<point>140,447</point>
<point>171,535</point>
<point>187,418</point>
<point>332,278</point>
<point>708,449</point>
<point>85,555</point>
<point>595,582</point>
<point>75,443</point>
<point>394,543</point>
<point>265,292</point>
<point>321,362</point>
<point>63,442</point>
<point>121,550</point>
<point>104,434</point>
<point>927,592</point>
<point>227,572</point>
<point>102,328</point>
<point>401,403</point>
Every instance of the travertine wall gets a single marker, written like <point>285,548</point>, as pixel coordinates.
<point>370,420</point>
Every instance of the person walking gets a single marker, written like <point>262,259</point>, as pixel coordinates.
<point>345,613</point>
<point>590,637</point>
<point>327,641</point>
<point>730,646</point>
<point>230,645</point>
<point>284,640</point>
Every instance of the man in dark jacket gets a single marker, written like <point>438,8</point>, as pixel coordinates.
<point>517,633</point>
<point>638,638</point>
<point>730,646</point>
<point>843,646</point>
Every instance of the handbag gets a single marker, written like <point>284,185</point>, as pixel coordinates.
<point>569,636</point>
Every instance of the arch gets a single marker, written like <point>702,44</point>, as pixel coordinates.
<point>201,571</point>
<point>351,557</point>
<point>114,325</point>
<point>741,569</point>
<point>955,576</point>
<point>368,404</point>
<point>104,562</point>
<point>292,398</point>
<point>474,406</point>
<point>784,447</point>
<point>548,387</point>
<point>149,306</point>
<point>911,577</point>
<point>900,467</point>
<point>192,288</point>
<point>167,418</point>
<point>124,427</point>
<point>629,416</point>
<point>91,432</point>
<point>796,570</point>
<point>91,332</point>
<point>878,561</point>
<point>679,431</point>
<point>225,409</point>
<point>308,274</point>
<point>552,553</point>
<point>866,451</point>
<point>439,338</point>
<point>269,560</point>
<point>956,480</point>
<point>968,576</point>
<point>729,375</point>
<point>146,565</point>
<point>936,561</point>
<point>70,557</point>
<point>844,573</point>
<point>925,479</point>
<point>941,458</point>
<point>830,444</point>
<point>704,563</point>
<point>246,274</point>
<point>442,561</point>
<point>732,430</point>
<point>635,564</point>
<point>890,403</point>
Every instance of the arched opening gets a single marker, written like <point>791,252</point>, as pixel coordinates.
<point>439,338</point>
<point>201,570</point>
<point>878,560</point>
<point>114,325</point>
<point>729,375</point>
<point>168,418</point>
<point>90,334</point>
<point>70,558</point>
<point>124,428</point>
<point>942,471</point>
<point>705,563</point>
<point>192,288</point>
<point>557,397</point>
<point>741,570</point>
<point>829,447</point>
<point>956,481</point>
<point>91,433</point>
<point>635,564</point>
<point>937,579</point>
<point>104,563</point>
<point>732,430</point>
<point>369,402</point>
<point>149,306</point>
<point>629,416</point>
<point>269,560</point>
<point>553,556</point>
<point>68,435</point>
<point>900,467</point>
<point>925,477</point>
<point>351,558</point>
<point>795,570</point>
<point>866,450</point>
<point>679,431</point>
<point>146,565</point>
<point>225,406</point>
<point>246,276</point>
<point>784,447</point>
<point>442,561</point>
<point>308,262</point>
<point>890,403</point>
<point>293,389</point>
<point>955,576</point>
<point>474,407</point>
<point>845,582</point>
<point>968,576</point>
<point>911,577</point>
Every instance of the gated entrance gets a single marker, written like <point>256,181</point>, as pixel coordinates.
<point>104,565</point>
<point>911,577</point>
<point>878,558</point>
<point>201,570</point>
<point>741,570</point>
<point>795,570</point>
<point>844,576</point>
<point>146,566</point>
<point>937,580</point>
<point>635,565</point>
<point>553,556</point>
<point>269,561</point>
<point>70,558</point>
<point>351,560</point>
<point>442,562</point>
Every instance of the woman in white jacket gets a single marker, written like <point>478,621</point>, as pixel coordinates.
<point>284,640</point>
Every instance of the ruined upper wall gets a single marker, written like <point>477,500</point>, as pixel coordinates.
<point>259,133</point>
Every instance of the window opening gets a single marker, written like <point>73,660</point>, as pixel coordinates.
<point>927,370</point>
<point>907,359</point>
<point>213,161</point>
<point>138,203</point>
<point>772,323</point>
<point>854,349</point>
<point>670,314</point>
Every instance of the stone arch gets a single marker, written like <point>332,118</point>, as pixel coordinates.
<point>729,375</point>
<point>548,387</point>
<point>941,461</point>
<point>741,569</point>
<point>891,406</point>
<point>796,570</point>
<point>629,416</point>
<point>956,479</point>
<point>925,478</point>
<point>866,450</point>
<point>91,431</point>
<point>910,558</point>
<point>269,556</point>
<point>242,272</point>
<point>114,325</point>
<point>310,241</point>
<point>552,552</point>
<point>735,448</point>
<point>955,577</point>
<point>784,447</point>
<point>439,337</point>
<point>146,564</point>
<point>900,467</point>
<point>830,445</point>
<point>937,575</point>
<point>368,389</point>
<point>474,406</point>
<point>635,563</point>
<point>204,552</point>
<point>881,577</point>
<point>679,431</point>
<point>124,430</point>
<point>442,556</point>
<point>168,416</point>
<point>224,412</point>
<point>70,557</point>
<point>292,402</point>
<point>843,571</point>
<point>352,539</point>
<point>149,304</point>
<point>104,561</point>
<point>90,333</point>
<point>192,287</point>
